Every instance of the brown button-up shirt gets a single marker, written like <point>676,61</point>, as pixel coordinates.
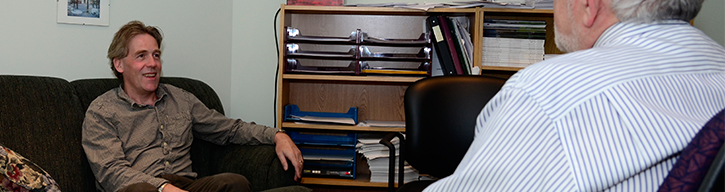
<point>129,143</point>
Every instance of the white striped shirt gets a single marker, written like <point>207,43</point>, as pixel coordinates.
<point>613,117</point>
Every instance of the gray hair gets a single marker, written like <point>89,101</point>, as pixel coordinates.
<point>648,11</point>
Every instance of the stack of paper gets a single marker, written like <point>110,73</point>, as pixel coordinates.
<point>378,158</point>
<point>541,4</point>
<point>513,43</point>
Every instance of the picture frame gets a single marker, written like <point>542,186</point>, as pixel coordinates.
<point>84,12</point>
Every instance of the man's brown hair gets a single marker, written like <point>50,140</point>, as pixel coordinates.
<point>119,45</point>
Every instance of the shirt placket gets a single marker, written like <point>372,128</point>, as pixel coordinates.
<point>165,139</point>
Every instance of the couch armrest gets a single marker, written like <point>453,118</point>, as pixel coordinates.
<point>259,163</point>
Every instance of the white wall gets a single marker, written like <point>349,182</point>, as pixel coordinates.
<point>254,60</point>
<point>711,20</point>
<point>197,41</point>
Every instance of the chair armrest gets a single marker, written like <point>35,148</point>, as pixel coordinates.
<point>259,163</point>
<point>391,164</point>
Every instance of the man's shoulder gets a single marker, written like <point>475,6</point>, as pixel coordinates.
<point>172,89</point>
<point>108,99</point>
<point>601,65</point>
<point>566,69</point>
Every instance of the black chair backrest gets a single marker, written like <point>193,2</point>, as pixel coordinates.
<point>440,115</point>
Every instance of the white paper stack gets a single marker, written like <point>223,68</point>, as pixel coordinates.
<point>512,52</point>
<point>513,43</point>
<point>378,158</point>
<point>541,4</point>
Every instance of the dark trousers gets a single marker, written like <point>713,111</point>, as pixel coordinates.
<point>230,182</point>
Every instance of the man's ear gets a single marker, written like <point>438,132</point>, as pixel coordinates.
<point>117,64</point>
<point>591,11</point>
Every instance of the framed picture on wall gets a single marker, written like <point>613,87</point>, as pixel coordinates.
<point>84,12</point>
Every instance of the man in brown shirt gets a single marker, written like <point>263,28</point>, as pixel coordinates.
<point>137,137</point>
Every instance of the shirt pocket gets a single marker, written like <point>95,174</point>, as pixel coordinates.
<point>179,127</point>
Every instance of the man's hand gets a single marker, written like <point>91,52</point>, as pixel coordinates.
<point>286,149</point>
<point>172,188</point>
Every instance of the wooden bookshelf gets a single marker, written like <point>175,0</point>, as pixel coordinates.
<point>378,97</point>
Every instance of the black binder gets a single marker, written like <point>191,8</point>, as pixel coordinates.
<point>441,45</point>
<point>460,50</point>
<point>450,35</point>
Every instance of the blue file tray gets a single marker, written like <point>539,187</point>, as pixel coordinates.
<point>291,110</point>
<point>314,138</point>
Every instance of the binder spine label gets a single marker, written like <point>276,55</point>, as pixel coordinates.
<point>437,33</point>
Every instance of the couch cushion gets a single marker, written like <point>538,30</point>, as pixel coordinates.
<point>17,172</point>
<point>40,117</point>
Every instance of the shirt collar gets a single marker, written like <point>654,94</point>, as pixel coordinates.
<point>161,92</point>
<point>621,32</point>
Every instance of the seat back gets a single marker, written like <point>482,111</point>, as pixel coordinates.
<point>440,115</point>
<point>40,118</point>
<point>701,161</point>
<point>715,178</point>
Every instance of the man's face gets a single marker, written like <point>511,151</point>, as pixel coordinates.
<point>564,26</point>
<point>141,67</point>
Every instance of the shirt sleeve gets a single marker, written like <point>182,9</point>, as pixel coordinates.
<point>516,148</point>
<point>212,126</point>
<point>105,154</point>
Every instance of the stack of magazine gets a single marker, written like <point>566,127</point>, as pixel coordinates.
<point>513,43</point>
<point>378,159</point>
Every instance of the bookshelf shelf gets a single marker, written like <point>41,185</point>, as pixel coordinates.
<point>342,127</point>
<point>392,79</point>
<point>361,181</point>
<point>497,68</point>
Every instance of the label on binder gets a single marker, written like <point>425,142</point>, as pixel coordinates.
<point>437,33</point>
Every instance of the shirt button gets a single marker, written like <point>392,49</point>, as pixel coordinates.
<point>166,145</point>
<point>162,127</point>
<point>167,163</point>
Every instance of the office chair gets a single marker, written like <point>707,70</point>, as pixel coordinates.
<point>700,165</point>
<point>440,117</point>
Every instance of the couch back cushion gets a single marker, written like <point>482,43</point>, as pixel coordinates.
<point>40,117</point>
<point>201,151</point>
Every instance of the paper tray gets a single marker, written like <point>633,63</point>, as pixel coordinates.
<point>314,138</point>
<point>293,50</point>
<point>356,37</point>
<point>329,162</point>
<point>346,155</point>
<point>299,65</point>
<point>292,113</point>
<point>329,171</point>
